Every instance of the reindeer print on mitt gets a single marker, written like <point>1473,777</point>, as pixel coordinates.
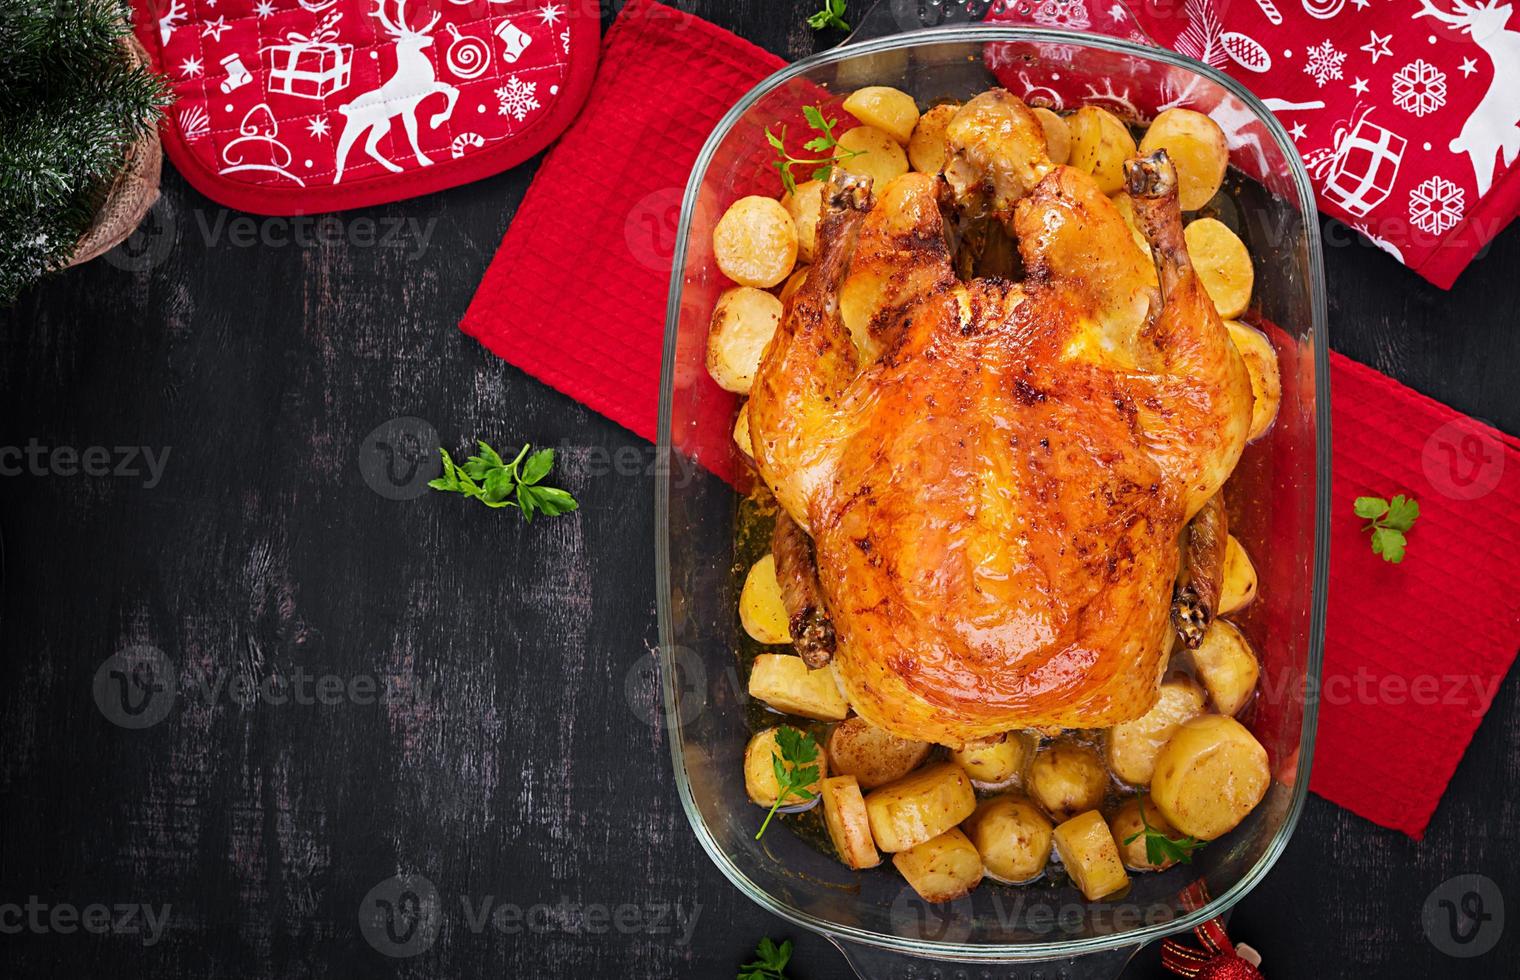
<point>295,106</point>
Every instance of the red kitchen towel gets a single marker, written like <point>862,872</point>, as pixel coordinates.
<point>297,106</point>
<point>1406,112</point>
<point>1386,755</point>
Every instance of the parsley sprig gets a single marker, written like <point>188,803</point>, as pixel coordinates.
<point>1161,849</point>
<point>798,749</point>
<point>822,143</point>
<point>497,483</point>
<point>1389,521</point>
<point>769,962</point>
<point>832,15</point>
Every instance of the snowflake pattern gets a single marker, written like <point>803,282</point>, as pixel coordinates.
<point>1324,63</point>
<point>191,67</point>
<point>517,98</point>
<point>1419,87</point>
<point>1437,205</point>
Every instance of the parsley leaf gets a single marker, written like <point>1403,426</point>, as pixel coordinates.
<point>796,768</point>
<point>822,143</point>
<point>496,483</point>
<point>769,962</point>
<point>1161,849</point>
<point>832,15</point>
<point>1389,521</point>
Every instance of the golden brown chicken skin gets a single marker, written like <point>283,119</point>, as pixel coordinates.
<point>996,474</point>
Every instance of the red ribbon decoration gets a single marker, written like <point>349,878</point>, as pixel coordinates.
<point>1217,960</point>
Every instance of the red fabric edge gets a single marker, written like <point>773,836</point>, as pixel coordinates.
<point>1458,247</point>
<point>392,187</point>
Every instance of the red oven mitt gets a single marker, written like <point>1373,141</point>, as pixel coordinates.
<point>295,106</point>
<point>1406,112</point>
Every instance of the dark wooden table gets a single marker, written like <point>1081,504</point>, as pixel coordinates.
<point>370,684</point>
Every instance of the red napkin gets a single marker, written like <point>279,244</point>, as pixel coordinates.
<point>1387,756</point>
<point>1404,110</point>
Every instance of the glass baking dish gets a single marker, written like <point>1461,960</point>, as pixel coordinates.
<point>1278,503</point>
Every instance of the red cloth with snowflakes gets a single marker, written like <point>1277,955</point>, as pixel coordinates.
<point>1406,112</point>
<point>295,106</point>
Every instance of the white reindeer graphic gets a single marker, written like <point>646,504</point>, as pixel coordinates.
<point>1493,125</point>
<point>375,111</point>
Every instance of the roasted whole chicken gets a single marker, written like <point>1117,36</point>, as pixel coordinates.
<point>987,481</point>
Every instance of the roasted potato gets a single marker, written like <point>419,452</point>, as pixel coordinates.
<point>805,205</point>
<point>873,755</point>
<point>755,242</point>
<point>760,607</point>
<point>892,111</point>
<point>1125,824</point>
<point>844,814</point>
<point>1012,836</point>
<point>927,149</point>
<point>760,770</point>
<point>1100,143</point>
<point>941,869</point>
<point>1132,746</point>
<point>1239,586</point>
<point>994,762</point>
<point>1090,855</point>
<point>742,324</point>
<point>880,156</point>
<point>1266,381</point>
<point>1198,152</point>
<point>785,683</point>
<point>1227,666</point>
<point>919,807</point>
<point>743,439</point>
<point>1057,135</point>
<point>1210,775</point>
<point>1223,265</point>
<point>1066,778</point>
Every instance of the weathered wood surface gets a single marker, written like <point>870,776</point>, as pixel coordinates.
<point>515,766</point>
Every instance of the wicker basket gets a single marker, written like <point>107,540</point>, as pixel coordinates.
<point>133,191</point>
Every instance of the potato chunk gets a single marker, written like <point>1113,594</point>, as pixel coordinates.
<point>1100,143</point>
<point>1012,836</point>
<point>1066,778</point>
<point>1227,666</point>
<point>995,761</point>
<point>1198,152</point>
<point>874,756</point>
<point>805,205</point>
<point>1125,824</point>
<point>888,109</point>
<point>844,814</point>
<point>1266,381</point>
<point>1057,135</point>
<point>1223,265</point>
<point>928,148</point>
<point>1239,585</point>
<point>760,607</point>
<point>785,683</point>
<point>1090,855</point>
<point>743,440</point>
<point>1210,775</point>
<point>755,242</point>
<point>1132,746</point>
<point>881,158</point>
<point>942,869</point>
<point>742,325</point>
<point>760,771</point>
<point>919,807</point>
